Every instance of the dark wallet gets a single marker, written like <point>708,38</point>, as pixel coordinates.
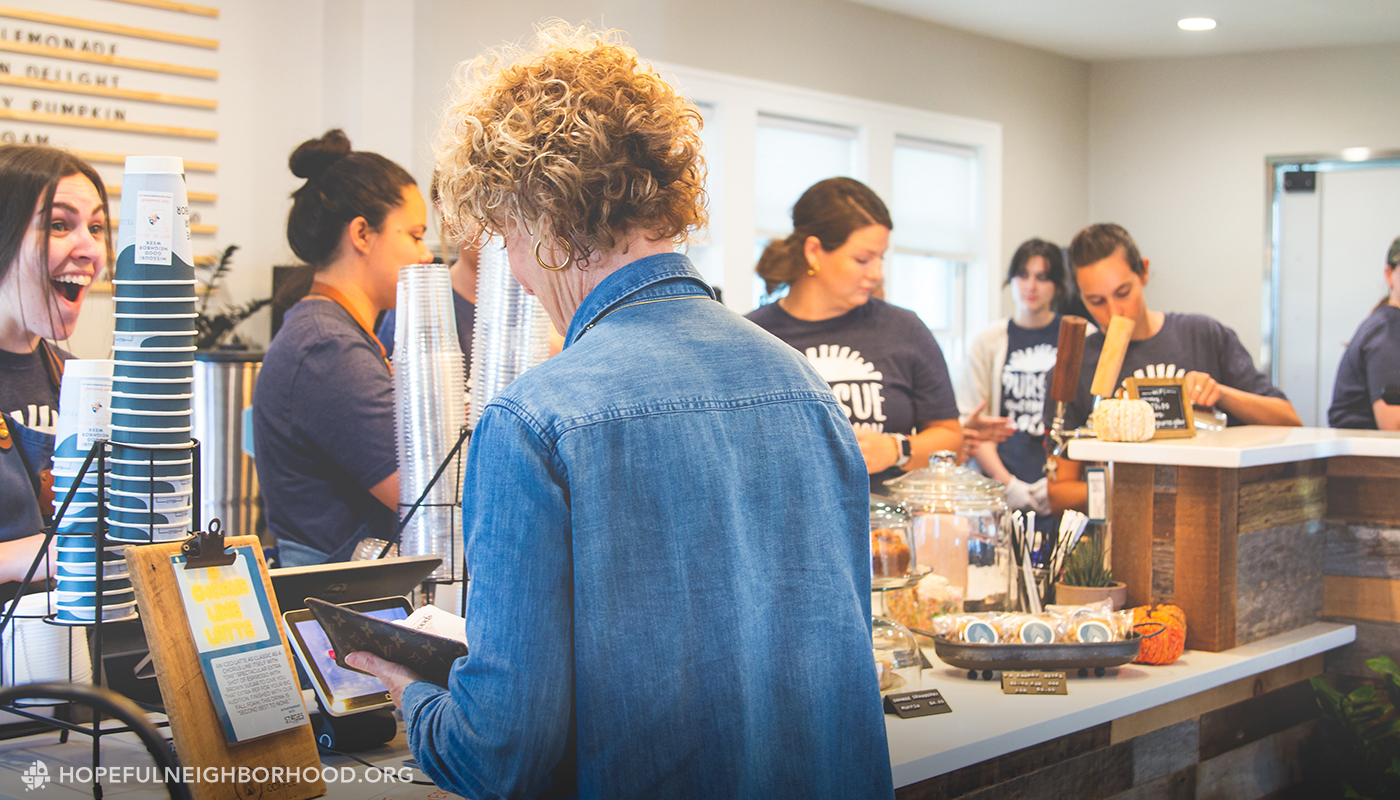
<point>348,631</point>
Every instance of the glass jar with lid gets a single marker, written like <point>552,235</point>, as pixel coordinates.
<point>893,561</point>
<point>957,522</point>
<point>897,659</point>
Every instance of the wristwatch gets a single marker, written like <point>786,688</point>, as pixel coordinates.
<point>905,449</point>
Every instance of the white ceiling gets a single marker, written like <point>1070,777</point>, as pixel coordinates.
<point>1098,30</point>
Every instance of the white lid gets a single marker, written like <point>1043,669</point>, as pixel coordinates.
<point>148,164</point>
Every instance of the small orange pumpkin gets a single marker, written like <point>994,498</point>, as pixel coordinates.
<point>1167,646</point>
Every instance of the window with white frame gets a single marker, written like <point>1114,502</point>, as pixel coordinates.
<point>939,174</point>
<point>789,156</point>
<point>933,205</point>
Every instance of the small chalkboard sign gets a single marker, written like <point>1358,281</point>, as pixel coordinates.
<point>1171,406</point>
<point>916,704</point>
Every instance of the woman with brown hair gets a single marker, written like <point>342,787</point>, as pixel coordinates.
<point>665,523</point>
<point>882,362</point>
<point>54,241</point>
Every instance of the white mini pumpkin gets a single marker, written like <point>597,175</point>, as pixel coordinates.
<point>1124,420</point>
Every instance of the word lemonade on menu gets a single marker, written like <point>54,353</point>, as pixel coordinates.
<point>57,74</point>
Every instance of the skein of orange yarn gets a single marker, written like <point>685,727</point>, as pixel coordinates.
<point>1167,646</point>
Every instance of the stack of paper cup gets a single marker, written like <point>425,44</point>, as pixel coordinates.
<point>152,473</point>
<point>429,408</point>
<point>84,417</point>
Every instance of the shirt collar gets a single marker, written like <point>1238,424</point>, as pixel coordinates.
<point>630,281</point>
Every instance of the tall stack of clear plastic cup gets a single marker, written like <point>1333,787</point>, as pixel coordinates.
<point>85,417</point>
<point>152,472</point>
<point>429,409</point>
<point>512,328</point>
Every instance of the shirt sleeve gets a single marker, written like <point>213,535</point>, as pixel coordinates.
<point>932,387</point>
<point>505,721</point>
<point>1380,357</point>
<point>1237,367</point>
<point>976,384</point>
<point>344,389</point>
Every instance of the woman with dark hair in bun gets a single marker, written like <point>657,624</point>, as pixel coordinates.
<point>323,427</point>
<point>881,361</point>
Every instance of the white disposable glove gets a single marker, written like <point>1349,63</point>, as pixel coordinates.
<point>1040,496</point>
<point>1028,496</point>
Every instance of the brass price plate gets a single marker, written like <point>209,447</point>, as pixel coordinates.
<point>1034,682</point>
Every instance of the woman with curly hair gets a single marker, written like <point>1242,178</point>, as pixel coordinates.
<point>665,523</point>
<point>323,418</point>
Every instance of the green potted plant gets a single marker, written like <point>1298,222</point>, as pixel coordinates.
<point>213,329</point>
<point>1087,578</point>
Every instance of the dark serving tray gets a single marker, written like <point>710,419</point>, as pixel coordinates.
<point>1082,656</point>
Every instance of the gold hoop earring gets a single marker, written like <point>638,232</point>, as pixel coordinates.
<point>568,257</point>
<point>812,268</point>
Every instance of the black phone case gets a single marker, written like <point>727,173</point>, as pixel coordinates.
<point>348,630</point>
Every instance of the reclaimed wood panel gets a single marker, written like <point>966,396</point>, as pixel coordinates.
<point>1363,499</point>
<point>1164,478</point>
<point>1373,639</point>
<point>1159,753</point>
<point>1130,508</point>
<point>1257,769</point>
<point>1097,774</point>
<point>1285,501</point>
<point>1206,550</point>
<point>1164,515</point>
<point>1278,580</point>
<point>1163,571</point>
<point>1362,551</point>
<point>1008,767</point>
<point>1376,599</point>
<point>1363,467</point>
<point>1290,469</point>
<point>1259,717</point>
<point>1193,706</point>
<point>1180,785</point>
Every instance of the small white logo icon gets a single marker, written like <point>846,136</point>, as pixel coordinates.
<point>36,776</point>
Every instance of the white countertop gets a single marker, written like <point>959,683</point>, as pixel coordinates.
<point>986,723</point>
<point>1246,446</point>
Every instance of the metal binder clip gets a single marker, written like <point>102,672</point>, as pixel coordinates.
<point>207,549</point>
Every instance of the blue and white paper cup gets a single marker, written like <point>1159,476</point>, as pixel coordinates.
<point>153,241</point>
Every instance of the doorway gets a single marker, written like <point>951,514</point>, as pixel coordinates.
<point>1331,221</point>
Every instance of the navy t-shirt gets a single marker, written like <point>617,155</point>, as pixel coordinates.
<point>323,430</point>
<point>1030,358</point>
<point>1371,361</point>
<point>882,362</point>
<point>26,393</point>
<point>1186,343</point>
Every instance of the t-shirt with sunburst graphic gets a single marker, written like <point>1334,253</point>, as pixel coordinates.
<point>882,362</point>
<point>1186,343</point>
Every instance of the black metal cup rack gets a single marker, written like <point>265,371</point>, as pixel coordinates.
<point>98,454</point>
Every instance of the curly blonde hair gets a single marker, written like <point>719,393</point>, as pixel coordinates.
<point>572,137</point>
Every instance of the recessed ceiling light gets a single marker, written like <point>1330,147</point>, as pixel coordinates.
<point>1356,153</point>
<point>1196,24</point>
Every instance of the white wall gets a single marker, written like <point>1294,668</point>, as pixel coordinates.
<point>1177,149</point>
<point>1041,99</point>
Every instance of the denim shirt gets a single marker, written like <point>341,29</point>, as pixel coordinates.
<point>666,532</point>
